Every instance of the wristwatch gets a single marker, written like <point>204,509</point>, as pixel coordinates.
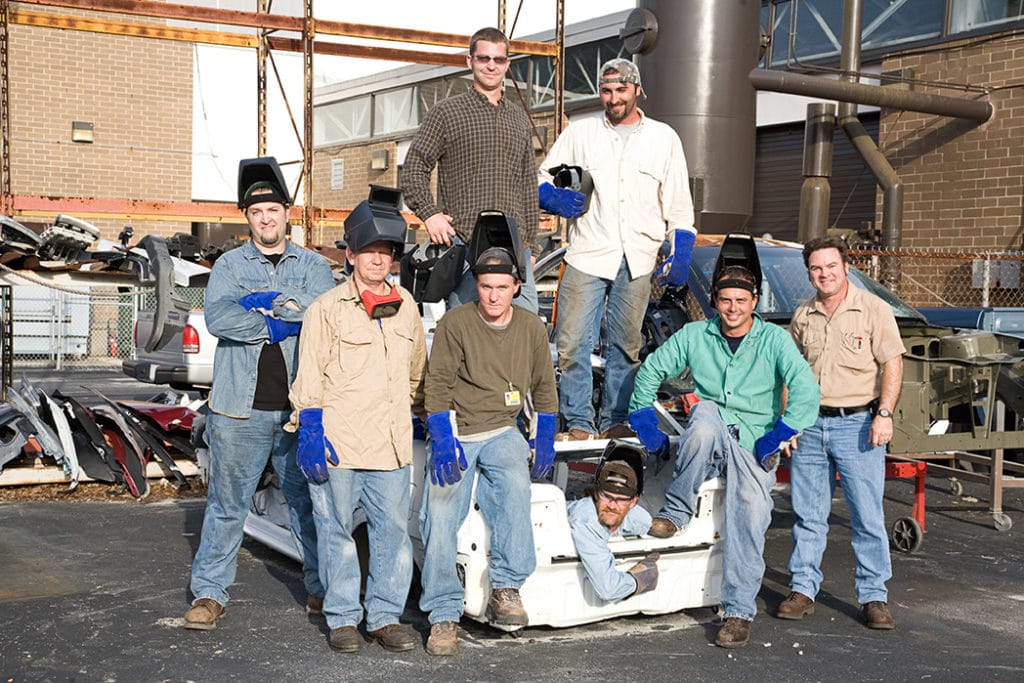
<point>882,412</point>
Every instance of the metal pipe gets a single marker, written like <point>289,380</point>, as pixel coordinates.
<point>816,191</point>
<point>818,86</point>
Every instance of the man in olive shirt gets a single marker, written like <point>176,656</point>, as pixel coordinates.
<point>850,338</point>
<point>488,361</point>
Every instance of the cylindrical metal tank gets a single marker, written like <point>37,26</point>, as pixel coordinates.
<point>696,76</point>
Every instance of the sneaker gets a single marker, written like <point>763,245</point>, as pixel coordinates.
<point>576,434</point>
<point>394,638</point>
<point>876,615</point>
<point>443,640</point>
<point>662,528</point>
<point>734,633</point>
<point>314,604</point>
<point>203,614</point>
<point>506,608</point>
<point>345,639</point>
<point>795,607</point>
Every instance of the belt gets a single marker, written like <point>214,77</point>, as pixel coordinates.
<point>829,411</point>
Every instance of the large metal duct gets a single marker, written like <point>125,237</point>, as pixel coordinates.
<point>695,61</point>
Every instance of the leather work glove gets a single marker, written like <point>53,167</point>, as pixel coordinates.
<point>543,444</point>
<point>645,572</point>
<point>560,200</point>
<point>766,449</point>
<point>676,269</point>
<point>259,300</point>
<point>280,329</point>
<point>447,459</point>
<point>312,453</point>
<point>645,423</point>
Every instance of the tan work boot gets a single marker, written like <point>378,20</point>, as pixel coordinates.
<point>443,640</point>
<point>662,528</point>
<point>734,633</point>
<point>203,614</point>
<point>876,615</point>
<point>795,607</point>
<point>394,638</point>
<point>345,639</point>
<point>314,604</point>
<point>505,607</point>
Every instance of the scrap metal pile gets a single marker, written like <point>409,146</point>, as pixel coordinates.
<point>106,441</point>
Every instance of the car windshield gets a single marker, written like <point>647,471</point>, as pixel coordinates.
<point>785,285</point>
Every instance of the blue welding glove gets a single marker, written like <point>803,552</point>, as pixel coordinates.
<point>645,423</point>
<point>560,200</point>
<point>280,329</point>
<point>311,455</point>
<point>676,269</point>
<point>419,431</point>
<point>543,444</point>
<point>766,449</point>
<point>447,459</point>
<point>261,300</point>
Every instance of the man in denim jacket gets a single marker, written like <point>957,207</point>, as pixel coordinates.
<point>255,301</point>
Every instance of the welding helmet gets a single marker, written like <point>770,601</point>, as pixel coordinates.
<point>573,178</point>
<point>377,219</point>
<point>261,180</point>
<point>495,229</point>
<point>433,271</point>
<point>621,469</point>
<point>738,249</point>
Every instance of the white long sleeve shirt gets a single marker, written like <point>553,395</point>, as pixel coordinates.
<point>641,193</point>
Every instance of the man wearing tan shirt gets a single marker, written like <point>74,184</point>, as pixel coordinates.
<point>362,356</point>
<point>852,342</point>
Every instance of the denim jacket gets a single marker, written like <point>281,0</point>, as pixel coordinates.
<point>301,276</point>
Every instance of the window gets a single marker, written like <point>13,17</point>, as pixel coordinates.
<point>342,121</point>
<point>968,15</point>
<point>395,111</point>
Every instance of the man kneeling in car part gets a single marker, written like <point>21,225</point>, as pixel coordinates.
<point>740,365</point>
<point>489,359</point>
<point>612,512</point>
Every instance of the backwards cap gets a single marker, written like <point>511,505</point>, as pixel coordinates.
<point>628,72</point>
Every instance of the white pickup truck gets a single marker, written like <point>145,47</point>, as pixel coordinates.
<point>185,363</point>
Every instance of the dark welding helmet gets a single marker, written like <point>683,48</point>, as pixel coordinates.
<point>738,249</point>
<point>433,271</point>
<point>261,180</point>
<point>573,178</point>
<point>495,229</point>
<point>377,219</point>
<point>613,471</point>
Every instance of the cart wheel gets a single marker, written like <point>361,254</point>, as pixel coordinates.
<point>1002,522</point>
<point>906,535</point>
<point>956,487</point>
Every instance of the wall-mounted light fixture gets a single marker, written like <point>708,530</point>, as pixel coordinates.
<point>379,160</point>
<point>81,131</point>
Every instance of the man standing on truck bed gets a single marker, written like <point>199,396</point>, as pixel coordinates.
<point>254,305</point>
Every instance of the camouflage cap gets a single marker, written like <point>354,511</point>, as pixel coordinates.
<point>627,70</point>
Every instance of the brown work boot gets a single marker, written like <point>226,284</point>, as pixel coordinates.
<point>443,640</point>
<point>345,639</point>
<point>575,434</point>
<point>203,614</point>
<point>734,633</point>
<point>662,528</point>
<point>876,615</point>
<point>506,608</point>
<point>314,604</point>
<point>394,638</point>
<point>618,431</point>
<point>795,607</point>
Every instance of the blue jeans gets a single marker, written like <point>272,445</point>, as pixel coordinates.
<point>708,450</point>
<point>384,497</point>
<point>839,444</point>
<point>465,291</point>
<point>582,299</point>
<point>238,456</point>
<point>503,494</point>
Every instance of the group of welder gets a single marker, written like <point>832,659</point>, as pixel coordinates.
<point>332,406</point>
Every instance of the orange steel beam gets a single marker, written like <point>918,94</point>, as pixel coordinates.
<point>179,12</point>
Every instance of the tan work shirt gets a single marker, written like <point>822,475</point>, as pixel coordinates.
<point>366,375</point>
<point>847,351</point>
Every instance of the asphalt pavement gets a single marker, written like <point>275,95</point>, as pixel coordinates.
<point>97,592</point>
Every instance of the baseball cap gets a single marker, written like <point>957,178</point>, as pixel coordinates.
<point>628,71</point>
<point>264,191</point>
<point>495,260</point>
<point>617,477</point>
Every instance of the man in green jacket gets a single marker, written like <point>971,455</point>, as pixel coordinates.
<point>740,367</point>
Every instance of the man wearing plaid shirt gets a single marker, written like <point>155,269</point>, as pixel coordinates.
<point>480,143</point>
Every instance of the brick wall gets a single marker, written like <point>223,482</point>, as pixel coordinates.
<point>138,94</point>
<point>963,180</point>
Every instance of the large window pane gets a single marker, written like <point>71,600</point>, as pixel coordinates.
<point>395,111</point>
<point>343,121</point>
<point>971,14</point>
<point>582,71</point>
<point>819,26</point>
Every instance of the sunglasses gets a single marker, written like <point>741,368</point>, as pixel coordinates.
<point>615,501</point>
<point>483,59</point>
